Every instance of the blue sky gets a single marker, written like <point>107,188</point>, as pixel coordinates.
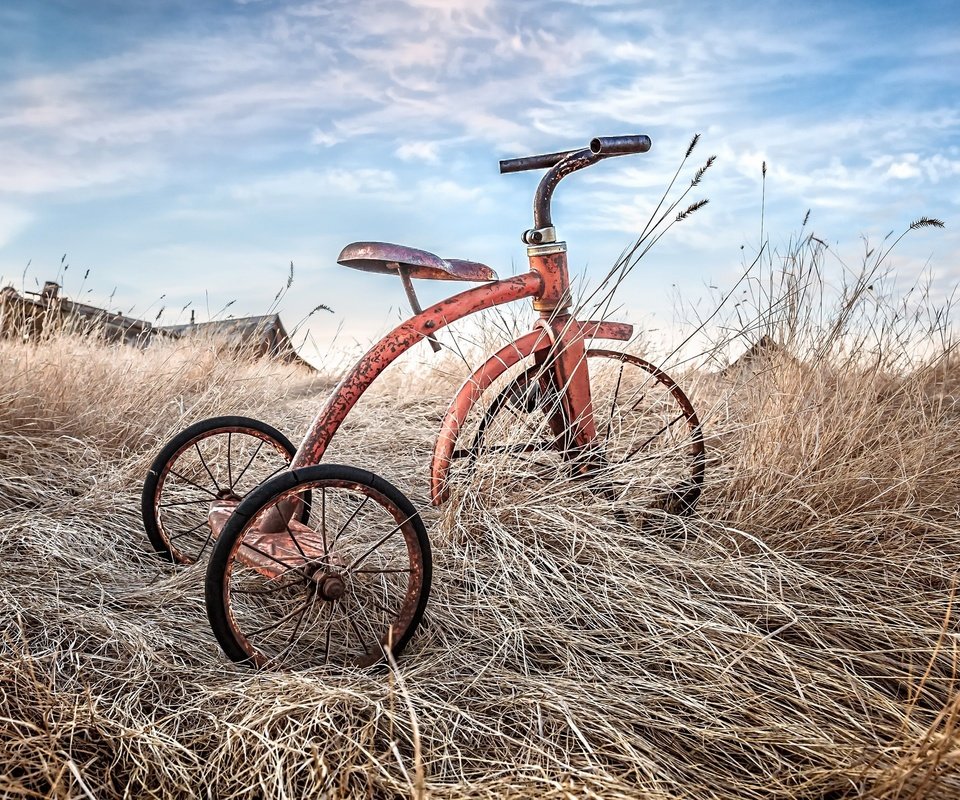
<point>193,150</point>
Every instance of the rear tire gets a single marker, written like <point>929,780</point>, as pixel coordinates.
<point>341,591</point>
<point>216,458</point>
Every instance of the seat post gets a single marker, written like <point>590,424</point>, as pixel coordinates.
<point>404,273</point>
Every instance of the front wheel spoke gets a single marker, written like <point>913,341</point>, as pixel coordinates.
<point>539,446</point>
<point>636,405</point>
<point>515,409</point>
<point>613,404</point>
<point>643,445</point>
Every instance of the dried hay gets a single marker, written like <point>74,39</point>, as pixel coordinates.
<point>797,638</point>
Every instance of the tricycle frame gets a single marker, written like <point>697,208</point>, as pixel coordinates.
<point>556,336</point>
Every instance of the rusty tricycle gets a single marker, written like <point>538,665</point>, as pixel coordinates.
<point>314,563</point>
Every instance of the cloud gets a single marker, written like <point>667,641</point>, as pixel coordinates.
<point>313,184</point>
<point>419,151</point>
<point>934,168</point>
<point>443,192</point>
<point>12,221</point>
<point>907,168</point>
<point>23,172</point>
<point>324,138</point>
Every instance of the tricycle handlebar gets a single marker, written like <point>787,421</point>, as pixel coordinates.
<point>567,161</point>
<point>601,146</point>
<point>533,162</point>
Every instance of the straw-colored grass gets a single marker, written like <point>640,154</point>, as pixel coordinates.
<point>796,638</point>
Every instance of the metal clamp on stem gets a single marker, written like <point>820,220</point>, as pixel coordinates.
<point>414,303</point>
<point>540,235</point>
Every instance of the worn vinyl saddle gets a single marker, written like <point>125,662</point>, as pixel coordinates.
<point>394,258</point>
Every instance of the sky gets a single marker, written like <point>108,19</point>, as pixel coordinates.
<point>183,154</point>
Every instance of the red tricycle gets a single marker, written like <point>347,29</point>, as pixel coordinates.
<point>315,563</point>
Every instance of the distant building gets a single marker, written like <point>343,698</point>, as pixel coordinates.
<point>33,315</point>
<point>759,356</point>
<point>258,336</point>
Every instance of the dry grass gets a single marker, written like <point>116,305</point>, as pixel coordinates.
<point>797,638</point>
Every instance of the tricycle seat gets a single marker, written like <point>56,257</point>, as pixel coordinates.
<point>390,258</point>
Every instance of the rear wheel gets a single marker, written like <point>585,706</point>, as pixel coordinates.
<point>217,460</point>
<point>342,590</point>
<point>649,451</point>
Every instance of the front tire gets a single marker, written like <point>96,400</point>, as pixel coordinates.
<point>649,453</point>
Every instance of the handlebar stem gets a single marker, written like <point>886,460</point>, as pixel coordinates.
<point>578,159</point>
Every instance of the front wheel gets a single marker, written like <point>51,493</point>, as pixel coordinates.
<point>648,454</point>
<point>341,589</point>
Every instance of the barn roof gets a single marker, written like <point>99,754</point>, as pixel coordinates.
<point>32,313</point>
<point>262,335</point>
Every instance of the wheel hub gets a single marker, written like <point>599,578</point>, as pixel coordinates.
<point>331,587</point>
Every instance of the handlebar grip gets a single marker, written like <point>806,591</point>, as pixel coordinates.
<point>601,146</point>
<point>620,145</point>
<point>533,162</point>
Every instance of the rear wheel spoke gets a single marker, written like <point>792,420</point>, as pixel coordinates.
<point>370,584</point>
<point>196,446</point>
<point>185,479</point>
<point>247,465</point>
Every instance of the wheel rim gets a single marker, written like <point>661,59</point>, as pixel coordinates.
<point>223,465</point>
<point>339,591</point>
<point>649,452</point>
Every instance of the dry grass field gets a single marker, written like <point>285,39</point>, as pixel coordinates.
<point>797,637</point>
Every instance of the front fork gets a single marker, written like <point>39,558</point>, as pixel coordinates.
<point>564,364</point>
<point>566,377</point>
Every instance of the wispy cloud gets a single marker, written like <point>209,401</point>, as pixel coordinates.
<point>302,185</point>
<point>12,221</point>
<point>419,151</point>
